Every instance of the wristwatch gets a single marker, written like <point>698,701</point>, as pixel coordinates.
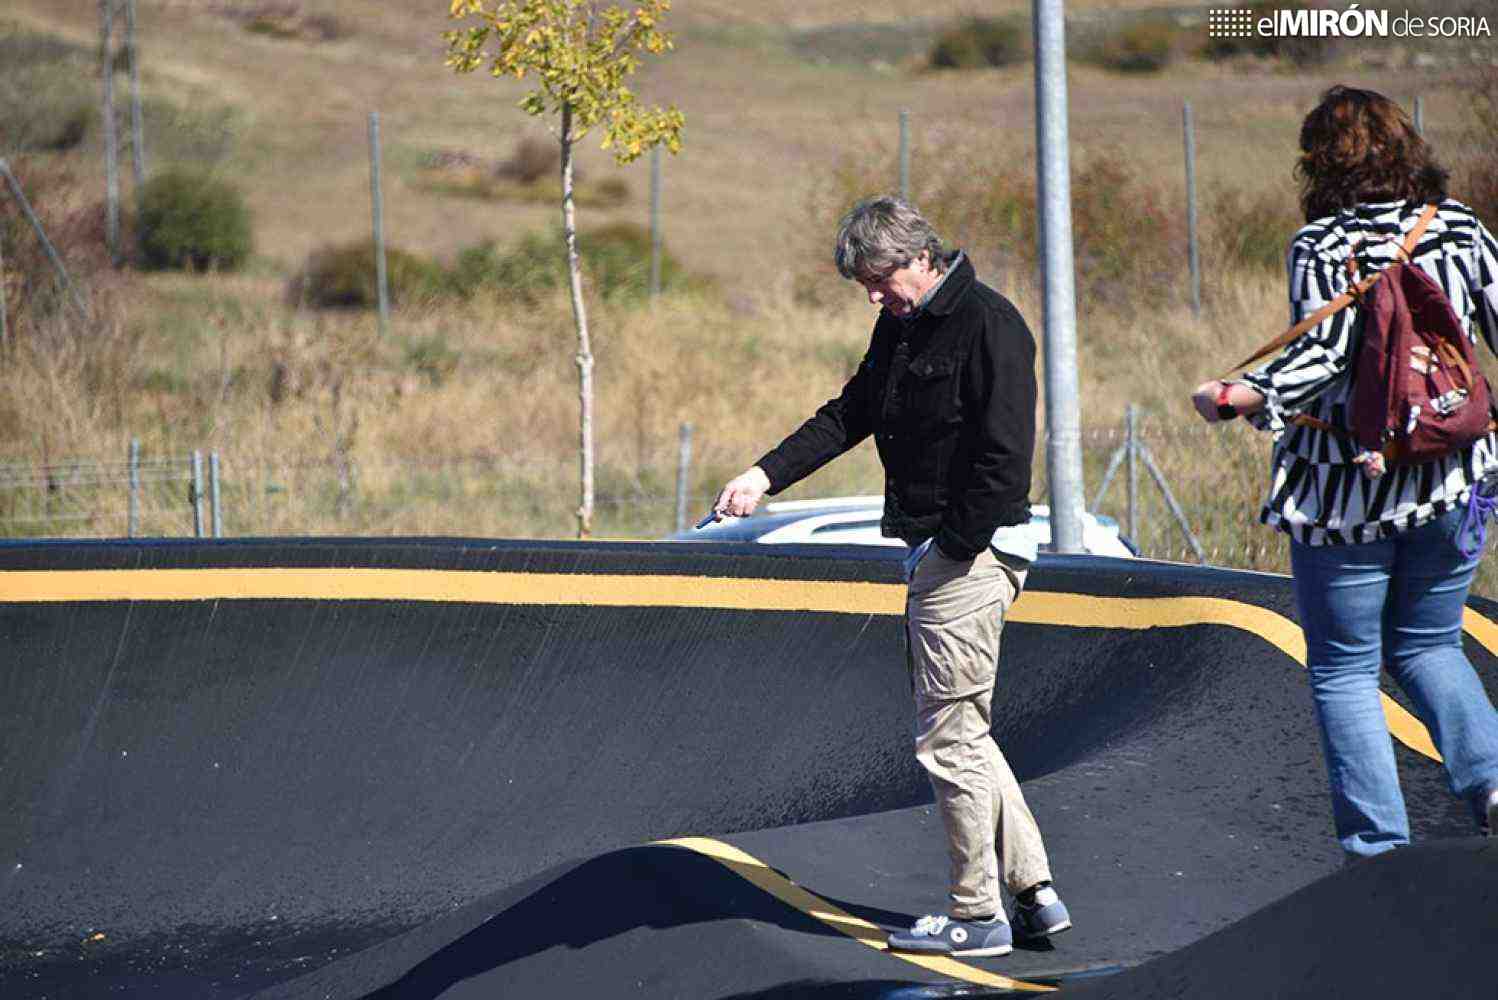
<point>1225,410</point>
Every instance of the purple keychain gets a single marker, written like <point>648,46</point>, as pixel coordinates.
<point>1481,503</point>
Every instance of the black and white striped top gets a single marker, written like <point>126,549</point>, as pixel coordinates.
<point>1316,494</point>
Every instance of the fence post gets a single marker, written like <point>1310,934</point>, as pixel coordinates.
<point>655,221</point>
<point>137,119</point>
<point>683,474</point>
<point>41,234</point>
<point>4,323</point>
<point>376,200</point>
<point>218,511</point>
<point>1192,251</point>
<point>196,490</point>
<point>132,524</point>
<point>111,134</point>
<point>905,154</point>
<point>1170,502</point>
<point>1131,443</point>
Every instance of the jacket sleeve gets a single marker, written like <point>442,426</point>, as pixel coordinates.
<point>999,404</point>
<point>1308,365</point>
<point>838,425</point>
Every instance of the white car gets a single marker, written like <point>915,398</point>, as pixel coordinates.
<point>855,521</point>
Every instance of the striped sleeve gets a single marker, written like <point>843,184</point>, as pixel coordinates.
<point>1312,362</point>
<point>1485,285</point>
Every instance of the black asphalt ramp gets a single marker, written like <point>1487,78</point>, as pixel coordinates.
<point>1421,922</point>
<point>422,768</point>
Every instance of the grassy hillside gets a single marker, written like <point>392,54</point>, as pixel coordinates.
<point>463,420</point>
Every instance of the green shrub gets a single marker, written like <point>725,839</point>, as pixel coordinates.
<point>191,220</point>
<point>343,277</point>
<point>289,21</point>
<point>611,191</point>
<point>1142,47</point>
<point>433,358</point>
<point>531,268</point>
<point>615,258</point>
<point>1253,230</point>
<point>532,161</point>
<point>979,42</point>
<point>47,102</point>
<point>1475,171</point>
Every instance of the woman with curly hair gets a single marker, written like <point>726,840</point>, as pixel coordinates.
<point>1380,578</point>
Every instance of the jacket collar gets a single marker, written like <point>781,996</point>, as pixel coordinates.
<point>955,283</point>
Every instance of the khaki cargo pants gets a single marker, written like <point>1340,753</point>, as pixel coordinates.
<point>954,614</point>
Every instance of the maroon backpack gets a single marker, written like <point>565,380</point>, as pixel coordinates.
<point>1417,393</point>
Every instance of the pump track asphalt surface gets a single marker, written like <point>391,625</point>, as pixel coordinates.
<point>327,769</point>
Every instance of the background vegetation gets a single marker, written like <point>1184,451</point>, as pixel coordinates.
<point>462,421</point>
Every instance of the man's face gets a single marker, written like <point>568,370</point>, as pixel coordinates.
<point>900,289</point>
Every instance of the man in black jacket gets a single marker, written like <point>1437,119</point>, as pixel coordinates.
<point>947,389</point>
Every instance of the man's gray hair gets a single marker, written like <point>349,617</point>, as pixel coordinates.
<point>883,233</point>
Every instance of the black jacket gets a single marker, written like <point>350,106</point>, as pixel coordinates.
<point>950,400</point>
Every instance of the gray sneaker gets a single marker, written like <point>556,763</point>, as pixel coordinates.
<point>1045,916</point>
<point>935,934</point>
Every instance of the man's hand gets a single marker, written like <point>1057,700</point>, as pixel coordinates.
<point>743,493</point>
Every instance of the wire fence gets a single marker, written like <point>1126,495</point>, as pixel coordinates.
<point>1177,492</point>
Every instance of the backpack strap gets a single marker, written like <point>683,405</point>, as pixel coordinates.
<point>1342,301</point>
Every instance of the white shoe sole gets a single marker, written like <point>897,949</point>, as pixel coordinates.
<point>1064,925</point>
<point>1002,949</point>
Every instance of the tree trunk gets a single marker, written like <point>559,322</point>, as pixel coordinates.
<point>580,313</point>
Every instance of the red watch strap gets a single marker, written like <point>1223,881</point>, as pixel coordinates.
<point>1225,410</point>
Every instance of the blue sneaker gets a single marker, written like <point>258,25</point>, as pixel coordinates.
<point>1040,914</point>
<point>941,935</point>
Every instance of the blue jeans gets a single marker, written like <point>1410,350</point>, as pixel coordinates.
<point>1396,602</point>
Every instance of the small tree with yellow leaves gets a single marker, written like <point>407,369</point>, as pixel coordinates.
<point>579,53</point>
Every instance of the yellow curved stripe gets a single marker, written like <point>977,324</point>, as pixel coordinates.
<point>838,597</point>
<point>758,873</point>
<point>1481,628</point>
<point>1045,608</point>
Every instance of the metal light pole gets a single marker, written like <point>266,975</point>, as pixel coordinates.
<point>111,135</point>
<point>1063,411</point>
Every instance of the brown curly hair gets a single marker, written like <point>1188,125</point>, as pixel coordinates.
<point>1359,146</point>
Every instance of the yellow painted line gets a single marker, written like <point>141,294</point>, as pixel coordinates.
<point>1481,628</point>
<point>758,873</point>
<point>468,586</point>
<point>462,586</point>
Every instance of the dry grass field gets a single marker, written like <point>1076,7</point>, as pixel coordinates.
<point>463,420</point>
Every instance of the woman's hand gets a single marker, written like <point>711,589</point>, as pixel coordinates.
<point>1372,463</point>
<point>1241,398</point>
<point>1205,400</point>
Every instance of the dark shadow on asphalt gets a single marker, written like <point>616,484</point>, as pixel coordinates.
<point>650,886</point>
